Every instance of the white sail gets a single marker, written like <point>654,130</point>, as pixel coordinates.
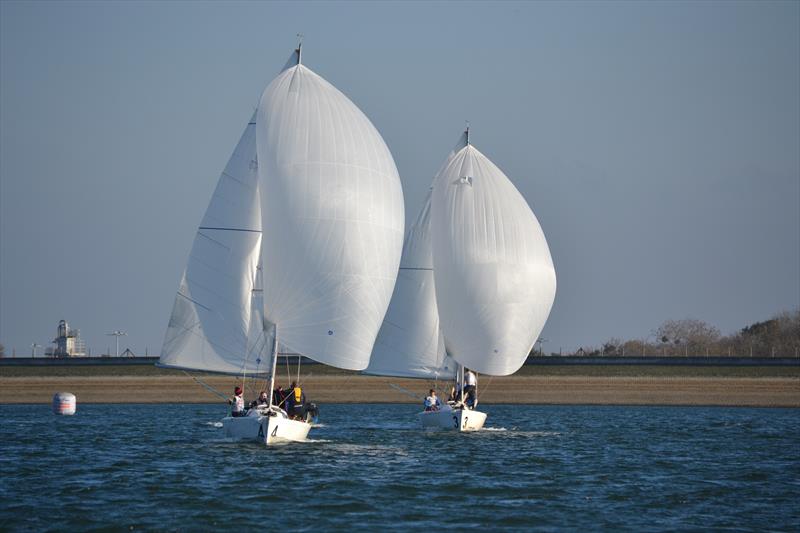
<point>410,343</point>
<point>210,322</point>
<point>494,277</point>
<point>332,217</point>
<point>260,334</point>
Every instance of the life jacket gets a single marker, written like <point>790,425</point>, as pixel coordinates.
<point>298,395</point>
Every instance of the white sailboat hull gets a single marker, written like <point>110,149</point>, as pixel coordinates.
<point>456,419</point>
<point>265,429</point>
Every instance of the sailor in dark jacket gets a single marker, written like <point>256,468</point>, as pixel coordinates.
<point>295,401</point>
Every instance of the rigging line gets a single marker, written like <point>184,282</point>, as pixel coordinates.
<point>477,394</point>
<point>258,350</point>
<point>406,391</point>
<point>207,386</point>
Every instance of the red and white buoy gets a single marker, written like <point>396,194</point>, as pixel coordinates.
<point>64,403</point>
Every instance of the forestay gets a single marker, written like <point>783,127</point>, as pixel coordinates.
<point>494,277</point>
<point>409,343</point>
<point>332,216</point>
<point>209,326</point>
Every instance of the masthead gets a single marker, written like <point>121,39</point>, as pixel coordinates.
<point>299,48</point>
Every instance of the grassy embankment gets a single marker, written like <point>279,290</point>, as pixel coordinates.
<point>771,386</point>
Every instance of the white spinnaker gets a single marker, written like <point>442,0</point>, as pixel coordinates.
<point>410,343</point>
<point>210,322</point>
<point>494,277</point>
<point>332,216</point>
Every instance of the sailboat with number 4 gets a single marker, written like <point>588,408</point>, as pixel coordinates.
<point>311,194</point>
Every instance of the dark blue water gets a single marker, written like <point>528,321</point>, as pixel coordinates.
<point>161,467</point>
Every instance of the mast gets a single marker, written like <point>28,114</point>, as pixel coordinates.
<point>274,366</point>
<point>475,402</point>
<point>461,382</point>
<point>299,49</point>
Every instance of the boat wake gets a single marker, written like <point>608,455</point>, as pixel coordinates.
<point>214,424</point>
<point>494,429</point>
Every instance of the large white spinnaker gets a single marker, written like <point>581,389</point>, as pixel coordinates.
<point>210,322</point>
<point>410,343</point>
<point>494,277</point>
<point>332,216</point>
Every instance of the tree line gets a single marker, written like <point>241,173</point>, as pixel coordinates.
<point>778,336</point>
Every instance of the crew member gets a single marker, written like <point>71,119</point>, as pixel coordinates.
<point>237,402</point>
<point>262,398</point>
<point>296,401</point>
<point>470,388</point>
<point>432,403</point>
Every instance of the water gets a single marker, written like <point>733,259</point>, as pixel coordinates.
<point>167,467</point>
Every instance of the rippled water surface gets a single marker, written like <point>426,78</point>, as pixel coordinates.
<point>168,467</point>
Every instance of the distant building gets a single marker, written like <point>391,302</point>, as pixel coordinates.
<point>68,342</point>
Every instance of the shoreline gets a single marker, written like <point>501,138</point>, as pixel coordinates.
<point>736,391</point>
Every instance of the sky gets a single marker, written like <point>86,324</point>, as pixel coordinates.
<point>658,144</point>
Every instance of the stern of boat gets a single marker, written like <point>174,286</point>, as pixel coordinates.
<point>454,419</point>
<point>265,427</point>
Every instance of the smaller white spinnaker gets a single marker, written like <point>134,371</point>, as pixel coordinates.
<point>494,276</point>
<point>211,319</point>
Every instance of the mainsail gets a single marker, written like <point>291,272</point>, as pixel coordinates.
<point>494,277</point>
<point>210,322</point>
<point>410,343</point>
<point>332,213</point>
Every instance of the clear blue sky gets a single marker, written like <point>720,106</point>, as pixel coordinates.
<point>658,143</point>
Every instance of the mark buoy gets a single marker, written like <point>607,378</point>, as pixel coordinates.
<point>64,403</point>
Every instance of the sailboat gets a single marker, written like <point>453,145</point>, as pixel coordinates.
<point>493,274</point>
<point>312,195</point>
<point>410,343</point>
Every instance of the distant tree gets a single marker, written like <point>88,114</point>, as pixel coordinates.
<point>2,350</point>
<point>633,348</point>
<point>694,336</point>
<point>612,347</point>
<point>779,335</point>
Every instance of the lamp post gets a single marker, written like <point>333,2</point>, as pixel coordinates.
<point>117,335</point>
<point>541,341</point>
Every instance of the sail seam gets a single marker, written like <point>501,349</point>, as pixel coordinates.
<point>230,229</point>
<point>195,302</point>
